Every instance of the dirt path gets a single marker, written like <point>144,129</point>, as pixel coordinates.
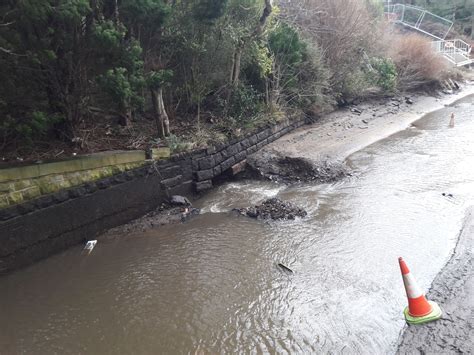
<point>346,131</point>
<point>453,290</point>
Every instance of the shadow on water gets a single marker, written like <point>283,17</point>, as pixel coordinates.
<point>213,286</point>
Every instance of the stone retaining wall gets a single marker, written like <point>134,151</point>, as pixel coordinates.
<point>42,226</point>
<point>23,183</point>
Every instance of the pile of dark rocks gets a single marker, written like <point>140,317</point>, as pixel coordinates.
<point>275,209</point>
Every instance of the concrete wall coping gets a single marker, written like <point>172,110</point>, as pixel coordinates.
<point>83,162</point>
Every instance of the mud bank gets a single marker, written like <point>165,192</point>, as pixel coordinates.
<point>337,135</point>
<point>317,152</point>
<point>453,290</point>
<point>167,213</point>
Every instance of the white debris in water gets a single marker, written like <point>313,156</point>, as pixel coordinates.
<point>90,245</point>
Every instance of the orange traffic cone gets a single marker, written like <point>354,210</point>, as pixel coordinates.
<point>419,310</point>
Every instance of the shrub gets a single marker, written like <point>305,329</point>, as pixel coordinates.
<point>29,127</point>
<point>417,64</point>
<point>385,73</point>
<point>300,75</point>
<point>356,84</point>
<point>245,103</point>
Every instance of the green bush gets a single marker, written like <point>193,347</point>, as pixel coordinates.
<point>355,84</point>
<point>245,103</point>
<point>37,124</point>
<point>386,73</point>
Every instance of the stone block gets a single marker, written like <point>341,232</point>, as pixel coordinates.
<point>237,147</point>
<point>160,153</point>
<point>9,213</point>
<point>4,201</point>
<point>170,171</point>
<point>226,164</point>
<point>168,183</point>
<point>203,185</point>
<point>104,183</point>
<point>211,150</point>
<point>6,187</point>
<point>195,164</point>
<point>91,187</point>
<point>207,163</point>
<point>60,167</point>
<point>240,156</point>
<point>123,157</point>
<point>220,147</point>
<point>129,175</point>
<point>199,153</point>
<point>44,201</point>
<point>77,192</point>
<point>218,158</point>
<point>239,167</point>
<point>30,192</point>
<point>245,143</point>
<point>15,197</point>
<point>205,174</point>
<point>19,173</point>
<point>60,196</point>
<point>232,150</point>
<point>253,139</point>
<point>120,178</point>
<point>187,170</point>
<point>25,208</point>
<point>262,135</point>
<point>217,170</point>
<point>252,150</point>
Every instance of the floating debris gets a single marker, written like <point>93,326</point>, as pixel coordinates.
<point>286,268</point>
<point>90,245</point>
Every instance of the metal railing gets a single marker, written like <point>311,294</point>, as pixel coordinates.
<point>419,19</point>
<point>456,51</point>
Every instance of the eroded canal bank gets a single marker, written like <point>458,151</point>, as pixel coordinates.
<point>212,285</point>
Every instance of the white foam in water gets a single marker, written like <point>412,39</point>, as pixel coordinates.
<point>239,195</point>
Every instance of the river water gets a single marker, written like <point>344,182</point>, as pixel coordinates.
<point>212,285</point>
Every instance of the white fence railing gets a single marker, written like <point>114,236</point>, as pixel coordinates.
<point>456,51</point>
<point>419,19</point>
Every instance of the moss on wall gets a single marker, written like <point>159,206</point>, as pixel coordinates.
<point>20,184</point>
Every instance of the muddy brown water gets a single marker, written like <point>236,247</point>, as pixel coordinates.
<point>213,286</point>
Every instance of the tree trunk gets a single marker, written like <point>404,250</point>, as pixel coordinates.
<point>235,74</point>
<point>199,116</point>
<point>116,12</point>
<point>161,117</point>
<point>127,118</point>
<point>236,66</point>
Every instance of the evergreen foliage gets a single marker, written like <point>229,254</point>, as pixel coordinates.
<point>65,64</point>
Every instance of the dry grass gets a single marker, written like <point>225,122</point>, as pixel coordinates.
<point>417,64</point>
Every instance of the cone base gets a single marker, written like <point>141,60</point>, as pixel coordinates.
<point>435,314</point>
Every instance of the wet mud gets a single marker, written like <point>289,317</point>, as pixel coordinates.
<point>168,213</point>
